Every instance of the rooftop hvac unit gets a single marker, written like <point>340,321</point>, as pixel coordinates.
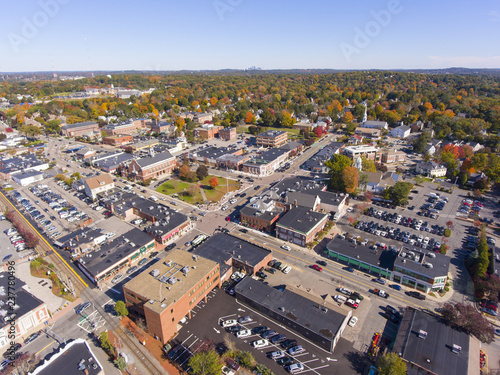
<point>185,270</point>
<point>172,280</point>
<point>155,272</point>
<point>168,263</point>
<point>429,265</point>
<point>456,349</point>
<point>432,255</point>
<point>422,334</point>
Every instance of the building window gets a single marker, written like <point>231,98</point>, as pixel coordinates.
<point>172,311</point>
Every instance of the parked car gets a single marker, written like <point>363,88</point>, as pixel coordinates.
<point>259,343</point>
<point>353,321</point>
<point>416,295</point>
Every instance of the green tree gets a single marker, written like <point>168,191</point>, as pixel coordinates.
<point>336,165</point>
<point>391,364</point>
<point>53,126</point>
<point>121,308</point>
<point>202,172</point>
<point>451,163</point>
<point>31,130</point>
<point>483,260</point>
<point>493,169</point>
<point>246,359</point>
<point>421,143</point>
<point>368,165</point>
<point>205,363</point>
<point>120,363</point>
<point>398,193</point>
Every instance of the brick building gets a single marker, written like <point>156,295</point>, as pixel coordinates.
<point>128,127</point>
<point>170,289</point>
<point>227,134</point>
<point>272,138</point>
<point>118,140</point>
<point>207,131</point>
<point>300,225</point>
<point>79,129</point>
<point>154,166</point>
<point>389,157</point>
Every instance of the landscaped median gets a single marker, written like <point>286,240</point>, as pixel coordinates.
<point>45,270</point>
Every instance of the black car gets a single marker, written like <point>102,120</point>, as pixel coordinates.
<point>234,329</point>
<point>259,330</point>
<point>261,274</point>
<point>416,295</point>
<point>288,343</point>
<point>171,246</point>
<point>278,338</point>
<point>322,263</point>
<point>243,230</point>
<point>285,361</point>
<point>356,295</point>
<point>32,337</point>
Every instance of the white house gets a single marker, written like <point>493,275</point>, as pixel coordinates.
<point>431,169</point>
<point>97,185</point>
<point>374,124</point>
<point>402,131</point>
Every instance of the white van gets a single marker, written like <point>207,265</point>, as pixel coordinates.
<point>340,299</point>
<point>153,198</point>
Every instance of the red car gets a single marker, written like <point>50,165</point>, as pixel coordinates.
<point>228,218</point>
<point>316,267</point>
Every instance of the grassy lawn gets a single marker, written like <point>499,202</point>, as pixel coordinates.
<point>213,195</point>
<point>421,180</point>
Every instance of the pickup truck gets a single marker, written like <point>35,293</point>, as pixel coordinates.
<point>380,293</point>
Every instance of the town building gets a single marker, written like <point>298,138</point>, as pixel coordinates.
<point>261,213</point>
<point>169,290</point>
<point>155,166</point>
<point>234,253</point>
<point>98,184</point>
<point>401,131</point>
<point>300,225</point>
<point>370,133</point>
<point>431,169</point>
<point>389,157</point>
<point>310,316</point>
<point>85,153</point>
<point>163,127</point>
<point>80,129</point>
<point>72,358</point>
<point>20,164</point>
<point>429,346</point>
<point>112,257</point>
<point>227,134</point>
<point>210,155</point>
<point>378,181</point>
<point>267,162</point>
<point>118,140</point>
<point>128,127</point>
<point>81,241</point>
<point>316,163</point>
<point>412,268</point>
<point>207,131</point>
<point>367,151</point>
<point>232,161</point>
<point>109,162</point>
<point>374,124</point>
<point>29,312</point>
<point>272,138</point>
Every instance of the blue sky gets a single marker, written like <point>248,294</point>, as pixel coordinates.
<point>61,35</point>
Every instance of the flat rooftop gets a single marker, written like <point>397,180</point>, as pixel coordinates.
<point>177,273</point>
<point>294,306</point>
<point>301,219</point>
<point>434,351</point>
<point>376,257</point>
<point>426,263</point>
<point>67,361</point>
<point>222,247</point>
<point>115,251</point>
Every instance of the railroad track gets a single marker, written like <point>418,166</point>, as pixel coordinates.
<point>132,342</point>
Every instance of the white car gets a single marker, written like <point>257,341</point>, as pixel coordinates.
<point>99,208</point>
<point>229,323</point>
<point>345,291</point>
<point>260,343</point>
<point>353,321</point>
<point>243,333</point>
<point>286,247</point>
<point>109,235</point>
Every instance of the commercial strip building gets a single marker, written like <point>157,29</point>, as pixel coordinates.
<point>272,138</point>
<point>80,129</point>
<point>101,265</point>
<point>233,253</point>
<point>313,318</point>
<point>367,151</point>
<point>138,146</point>
<point>30,312</point>
<point>168,291</point>
<point>27,178</point>
<point>425,271</point>
<point>300,225</point>
<point>267,162</point>
<point>429,346</point>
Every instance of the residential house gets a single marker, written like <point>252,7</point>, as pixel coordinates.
<point>431,169</point>
<point>475,146</point>
<point>379,181</point>
<point>98,184</point>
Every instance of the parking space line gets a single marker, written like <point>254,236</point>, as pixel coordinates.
<point>105,303</point>
<point>227,316</point>
<point>182,343</point>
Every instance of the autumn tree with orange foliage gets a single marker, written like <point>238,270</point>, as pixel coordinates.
<point>350,179</point>
<point>249,118</point>
<point>213,182</point>
<point>348,117</point>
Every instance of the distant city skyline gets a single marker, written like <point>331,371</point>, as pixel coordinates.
<point>72,35</point>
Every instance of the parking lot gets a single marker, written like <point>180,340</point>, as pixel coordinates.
<point>221,307</point>
<point>8,249</point>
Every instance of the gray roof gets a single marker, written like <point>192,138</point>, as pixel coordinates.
<point>298,183</point>
<point>112,162</point>
<point>115,251</point>
<point>291,145</point>
<point>222,247</point>
<point>440,264</point>
<point>144,162</point>
<point>379,258</point>
<point>292,306</point>
<point>302,199</point>
<point>266,215</point>
<point>67,360</point>
<point>301,219</point>
<point>403,128</point>
<point>434,352</point>
<point>272,154</point>
<point>271,133</point>
<point>214,152</point>
<point>78,125</point>
<point>82,235</point>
